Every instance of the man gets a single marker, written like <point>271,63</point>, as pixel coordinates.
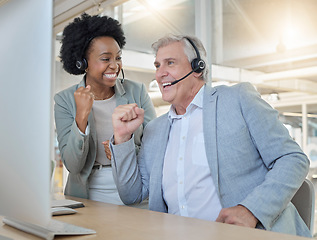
<point>219,154</point>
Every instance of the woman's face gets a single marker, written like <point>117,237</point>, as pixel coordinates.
<point>104,62</point>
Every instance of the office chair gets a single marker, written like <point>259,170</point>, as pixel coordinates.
<point>304,201</point>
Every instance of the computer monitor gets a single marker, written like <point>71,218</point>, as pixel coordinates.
<point>25,109</point>
<point>26,127</point>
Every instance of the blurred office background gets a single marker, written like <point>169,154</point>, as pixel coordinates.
<point>270,43</point>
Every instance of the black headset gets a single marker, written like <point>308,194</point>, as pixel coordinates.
<point>198,65</point>
<point>82,64</point>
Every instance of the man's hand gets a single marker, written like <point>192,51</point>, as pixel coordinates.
<point>125,120</point>
<point>237,215</point>
<point>84,99</point>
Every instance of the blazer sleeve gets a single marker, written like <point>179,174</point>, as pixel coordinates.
<point>131,181</point>
<point>286,163</point>
<point>126,173</point>
<point>72,145</point>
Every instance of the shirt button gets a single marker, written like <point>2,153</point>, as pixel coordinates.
<point>182,206</point>
<point>180,182</point>
<point>180,159</point>
<point>183,137</point>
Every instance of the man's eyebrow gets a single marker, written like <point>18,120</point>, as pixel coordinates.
<point>165,60</point>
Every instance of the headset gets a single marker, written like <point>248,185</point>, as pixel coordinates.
<point>82,64</point>
<point>197,64</point>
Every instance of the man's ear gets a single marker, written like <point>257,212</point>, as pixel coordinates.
<point>197,75</point>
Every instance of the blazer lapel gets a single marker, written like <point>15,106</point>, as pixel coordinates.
<point>120,92</point>
<point>161,143</point>
<point>157,167</point>
<point>210,133</point>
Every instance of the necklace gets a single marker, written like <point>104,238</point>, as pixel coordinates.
<point>103,98</point>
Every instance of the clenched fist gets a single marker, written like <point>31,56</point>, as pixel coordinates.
<point>125,120</point>
<point>84,99</point>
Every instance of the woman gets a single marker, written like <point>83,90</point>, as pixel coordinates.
<point>92,45</point>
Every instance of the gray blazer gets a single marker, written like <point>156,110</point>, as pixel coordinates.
<point>78,152</point>
<point>252,159</point>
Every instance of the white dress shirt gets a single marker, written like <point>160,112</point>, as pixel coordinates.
<point>188,188</point>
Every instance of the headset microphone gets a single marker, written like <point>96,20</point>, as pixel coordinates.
<point>176,81</point>
<point>198,65</point>
<point>122,72</point>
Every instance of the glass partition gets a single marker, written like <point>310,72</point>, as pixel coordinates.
<point>145,21</point>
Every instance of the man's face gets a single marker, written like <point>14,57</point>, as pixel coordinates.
<point>171,64</point>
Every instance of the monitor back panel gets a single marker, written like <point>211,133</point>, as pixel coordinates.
<point>25,109</point>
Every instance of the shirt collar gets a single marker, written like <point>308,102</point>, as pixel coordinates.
<point>196,102</point>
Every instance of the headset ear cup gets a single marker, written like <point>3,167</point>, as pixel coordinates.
<point>82,64</point>
<point>198,65</point>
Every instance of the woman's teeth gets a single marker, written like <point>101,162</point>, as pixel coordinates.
<point>110,75</point>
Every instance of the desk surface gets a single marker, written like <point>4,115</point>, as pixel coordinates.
<point>122,222</point>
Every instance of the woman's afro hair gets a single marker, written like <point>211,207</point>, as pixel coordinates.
<point>78,35</point>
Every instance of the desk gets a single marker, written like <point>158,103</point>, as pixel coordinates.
<point>128,223</point>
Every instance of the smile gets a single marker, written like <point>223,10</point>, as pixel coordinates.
<point>113,75</point>
<point>166,84</point>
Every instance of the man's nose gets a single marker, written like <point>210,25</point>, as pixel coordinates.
<point>161,72</point>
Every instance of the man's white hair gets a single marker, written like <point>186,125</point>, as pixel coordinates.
<point>188,49</point>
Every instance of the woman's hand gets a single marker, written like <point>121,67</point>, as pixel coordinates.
<point>107,149</point>
<point>84,99</point>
